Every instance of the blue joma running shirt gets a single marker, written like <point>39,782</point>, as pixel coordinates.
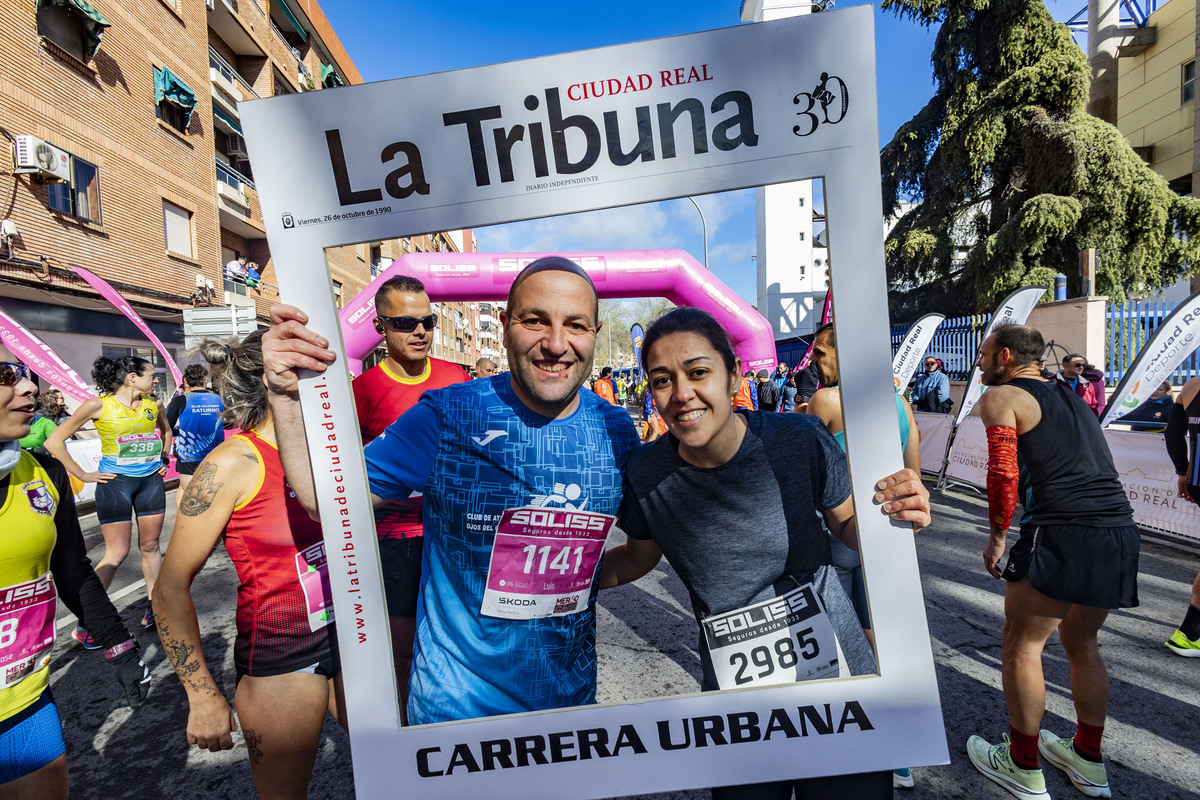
<point>474,451</point>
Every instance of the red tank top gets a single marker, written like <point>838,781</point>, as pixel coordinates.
<point>380,397</point>
<point>284,609</point>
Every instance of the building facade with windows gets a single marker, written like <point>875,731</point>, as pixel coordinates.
<point>129,160</point>
<point>1156,108</point>
<point>1156,102</point>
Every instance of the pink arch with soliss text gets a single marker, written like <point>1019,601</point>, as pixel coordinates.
<point>673,274</point>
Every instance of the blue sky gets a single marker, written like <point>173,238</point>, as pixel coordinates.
<point>389,40</point>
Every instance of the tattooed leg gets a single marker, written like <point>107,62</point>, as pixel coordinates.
<point>253,740</point>
<point>281,718</point>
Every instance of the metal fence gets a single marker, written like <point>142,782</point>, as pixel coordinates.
<point>1127,327</point>
<point>956,343</point>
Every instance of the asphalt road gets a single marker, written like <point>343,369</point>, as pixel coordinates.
<point>647,647</point>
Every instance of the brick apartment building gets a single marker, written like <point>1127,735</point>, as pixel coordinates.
<point>138,103</point>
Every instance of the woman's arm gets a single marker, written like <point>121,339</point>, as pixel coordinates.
<point>912,448</point>
<point>222,480</point>
<point>56,442</point>
<point>164,428</point>
<point>902,496</point>
<point>628,562</point>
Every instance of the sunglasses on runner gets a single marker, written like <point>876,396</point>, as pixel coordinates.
<point>11,373</point>
<point>409,324</point>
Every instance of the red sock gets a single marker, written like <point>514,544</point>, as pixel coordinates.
<point>1024,750</point>
<point>1087,741</point>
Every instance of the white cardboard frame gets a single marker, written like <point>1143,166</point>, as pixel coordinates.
<point>878,722</point>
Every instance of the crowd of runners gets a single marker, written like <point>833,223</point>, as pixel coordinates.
<point>746,505</point>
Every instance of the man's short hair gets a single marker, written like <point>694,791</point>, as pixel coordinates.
<point>1074,356</point>
<point>479,363</point>
<point>827,330</point>
<point>405,284</point>
<point>195,375</point>
<point>1023,342</point>
<point>557,264</point>
<point>605,372</point>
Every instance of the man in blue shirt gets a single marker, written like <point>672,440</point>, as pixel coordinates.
<point>787,389</point>
<point>521,477</point>
<point>931,389</point>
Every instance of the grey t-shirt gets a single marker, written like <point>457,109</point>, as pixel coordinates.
<point>749,529</point>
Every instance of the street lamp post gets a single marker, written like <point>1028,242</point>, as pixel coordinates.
<point>703,227</point>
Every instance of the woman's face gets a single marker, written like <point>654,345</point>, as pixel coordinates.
<point>144,383</point>
<point>16,404</point>
<point>692,390</point>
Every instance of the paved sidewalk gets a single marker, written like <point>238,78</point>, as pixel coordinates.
<point>647,647</point>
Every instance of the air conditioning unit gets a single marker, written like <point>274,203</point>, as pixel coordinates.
<point>237,147</point>
<point>32,156</point>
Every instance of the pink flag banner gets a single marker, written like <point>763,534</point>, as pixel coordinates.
<point>37,355</point>
<point>826,318</point>
<point>111,295</point>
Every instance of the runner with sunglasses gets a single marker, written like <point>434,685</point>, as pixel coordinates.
<point>381,394</point>
<point>134,441</point>
<point>43,555</point>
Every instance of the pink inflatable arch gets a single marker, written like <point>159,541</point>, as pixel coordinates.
<point>673,274</point>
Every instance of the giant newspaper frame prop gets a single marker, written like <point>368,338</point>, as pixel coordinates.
<point>767,102</point>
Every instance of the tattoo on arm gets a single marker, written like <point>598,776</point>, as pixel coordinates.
<point>186,665</point>
<point>253,740</point>
<point>201,491</point>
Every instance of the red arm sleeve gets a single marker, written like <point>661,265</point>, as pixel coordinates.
<point>1002,474</point>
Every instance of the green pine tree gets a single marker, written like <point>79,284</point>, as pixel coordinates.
<point>1005,153</point>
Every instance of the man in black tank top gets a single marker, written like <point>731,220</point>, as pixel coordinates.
<point>1076,558</point>
<point>1183,428</point>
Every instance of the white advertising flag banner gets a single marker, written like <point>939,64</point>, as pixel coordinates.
<point>85,453</point>
<point>908,357</point>
<point>1149,480</point>
<point>935,434</point>
<point>968,457</point>
<point>1015,309</point>
<point>708,112</point>
<point>1172,342</point>
<point>1146,473</point>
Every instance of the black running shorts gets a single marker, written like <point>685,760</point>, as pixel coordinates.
<point>1079,564</point>
<point>118,498</point>
<point>400,560</point>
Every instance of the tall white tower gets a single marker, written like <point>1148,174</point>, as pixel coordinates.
<point>791,286</point>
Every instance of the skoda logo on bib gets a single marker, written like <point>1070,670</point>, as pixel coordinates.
<point>544,559</point>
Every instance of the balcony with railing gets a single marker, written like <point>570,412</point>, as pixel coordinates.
<point>234,22</point>
<point>238,207</point>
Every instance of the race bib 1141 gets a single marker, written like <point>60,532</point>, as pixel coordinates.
<point>781,640</point>
<point>543,562</point>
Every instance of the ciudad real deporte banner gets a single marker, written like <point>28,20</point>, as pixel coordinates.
<point>694,114</point>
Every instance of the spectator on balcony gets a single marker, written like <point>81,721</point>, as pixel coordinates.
<point>253,277</point>
<point>235,275</point>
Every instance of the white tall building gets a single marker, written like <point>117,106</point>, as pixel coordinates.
<point>791,282</point>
